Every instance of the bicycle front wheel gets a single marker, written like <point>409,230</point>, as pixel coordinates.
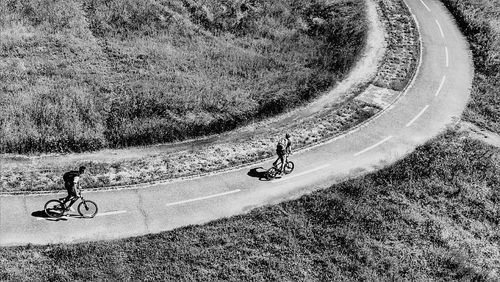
<point>289,167</point>
<point>54,208</point>
<point>87,209</point>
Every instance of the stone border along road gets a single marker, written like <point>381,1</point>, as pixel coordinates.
<point>313,125</point>
<point>439,94</point>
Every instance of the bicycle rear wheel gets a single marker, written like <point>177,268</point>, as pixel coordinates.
<point>289,167</point>
<point>271,173</point>
<point>87,209</point>
<point>54,208</point>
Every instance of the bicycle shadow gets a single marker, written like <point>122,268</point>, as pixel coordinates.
<point>258,172</point>
<point>42,215</point>
<point>39,214</point>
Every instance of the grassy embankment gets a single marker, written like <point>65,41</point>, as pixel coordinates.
<point>432,216</point>
<point>479,20</point>
<point>83,75</point>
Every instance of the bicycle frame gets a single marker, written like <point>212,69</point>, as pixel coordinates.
<point>279,164</point>
<point>71,201</point>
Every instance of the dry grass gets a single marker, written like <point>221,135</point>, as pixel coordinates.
<point>84,75</point>
<point>401,59</point>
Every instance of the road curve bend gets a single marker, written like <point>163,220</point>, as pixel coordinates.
<point>439,93</point>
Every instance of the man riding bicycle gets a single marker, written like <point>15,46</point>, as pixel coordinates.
<point>72,183</point>
<point>283,148</point>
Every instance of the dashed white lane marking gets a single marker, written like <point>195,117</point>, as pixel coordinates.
<point>427,7</point>
<point>417,116</point>
<point>446,55</point>
<point>373,146</point>
<point>440,86</point>
<point>302,173</point>
<point>202,198</point>
<point>110,213</point>
<point>440,28</point>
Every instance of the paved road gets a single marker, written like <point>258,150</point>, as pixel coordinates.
<point>439,93</point>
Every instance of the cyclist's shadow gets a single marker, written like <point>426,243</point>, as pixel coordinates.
<point>259,172</point>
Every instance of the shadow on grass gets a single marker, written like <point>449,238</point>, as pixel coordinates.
<point>258,172</point>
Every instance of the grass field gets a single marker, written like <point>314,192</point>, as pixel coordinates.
<point>480,22</point>
<point>432,216</point>
<point>83,75</point>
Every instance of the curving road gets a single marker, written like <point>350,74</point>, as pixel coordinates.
<point>439,93</point>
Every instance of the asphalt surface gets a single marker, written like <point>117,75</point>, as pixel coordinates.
<point>439,94</point>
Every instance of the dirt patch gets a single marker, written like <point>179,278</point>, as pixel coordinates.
<point>489,137</point>
<point>381,97</point>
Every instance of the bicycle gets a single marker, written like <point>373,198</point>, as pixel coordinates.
<point>56,208</point>
<point>274,170</point>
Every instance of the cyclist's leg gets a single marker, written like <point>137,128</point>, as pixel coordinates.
<point>282,160</point>
<point>275,163</point>
<point>69,188</point>
<point>72,196</point>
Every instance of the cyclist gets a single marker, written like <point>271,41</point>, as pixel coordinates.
<point>283,148</point>
<point>72,183</point>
